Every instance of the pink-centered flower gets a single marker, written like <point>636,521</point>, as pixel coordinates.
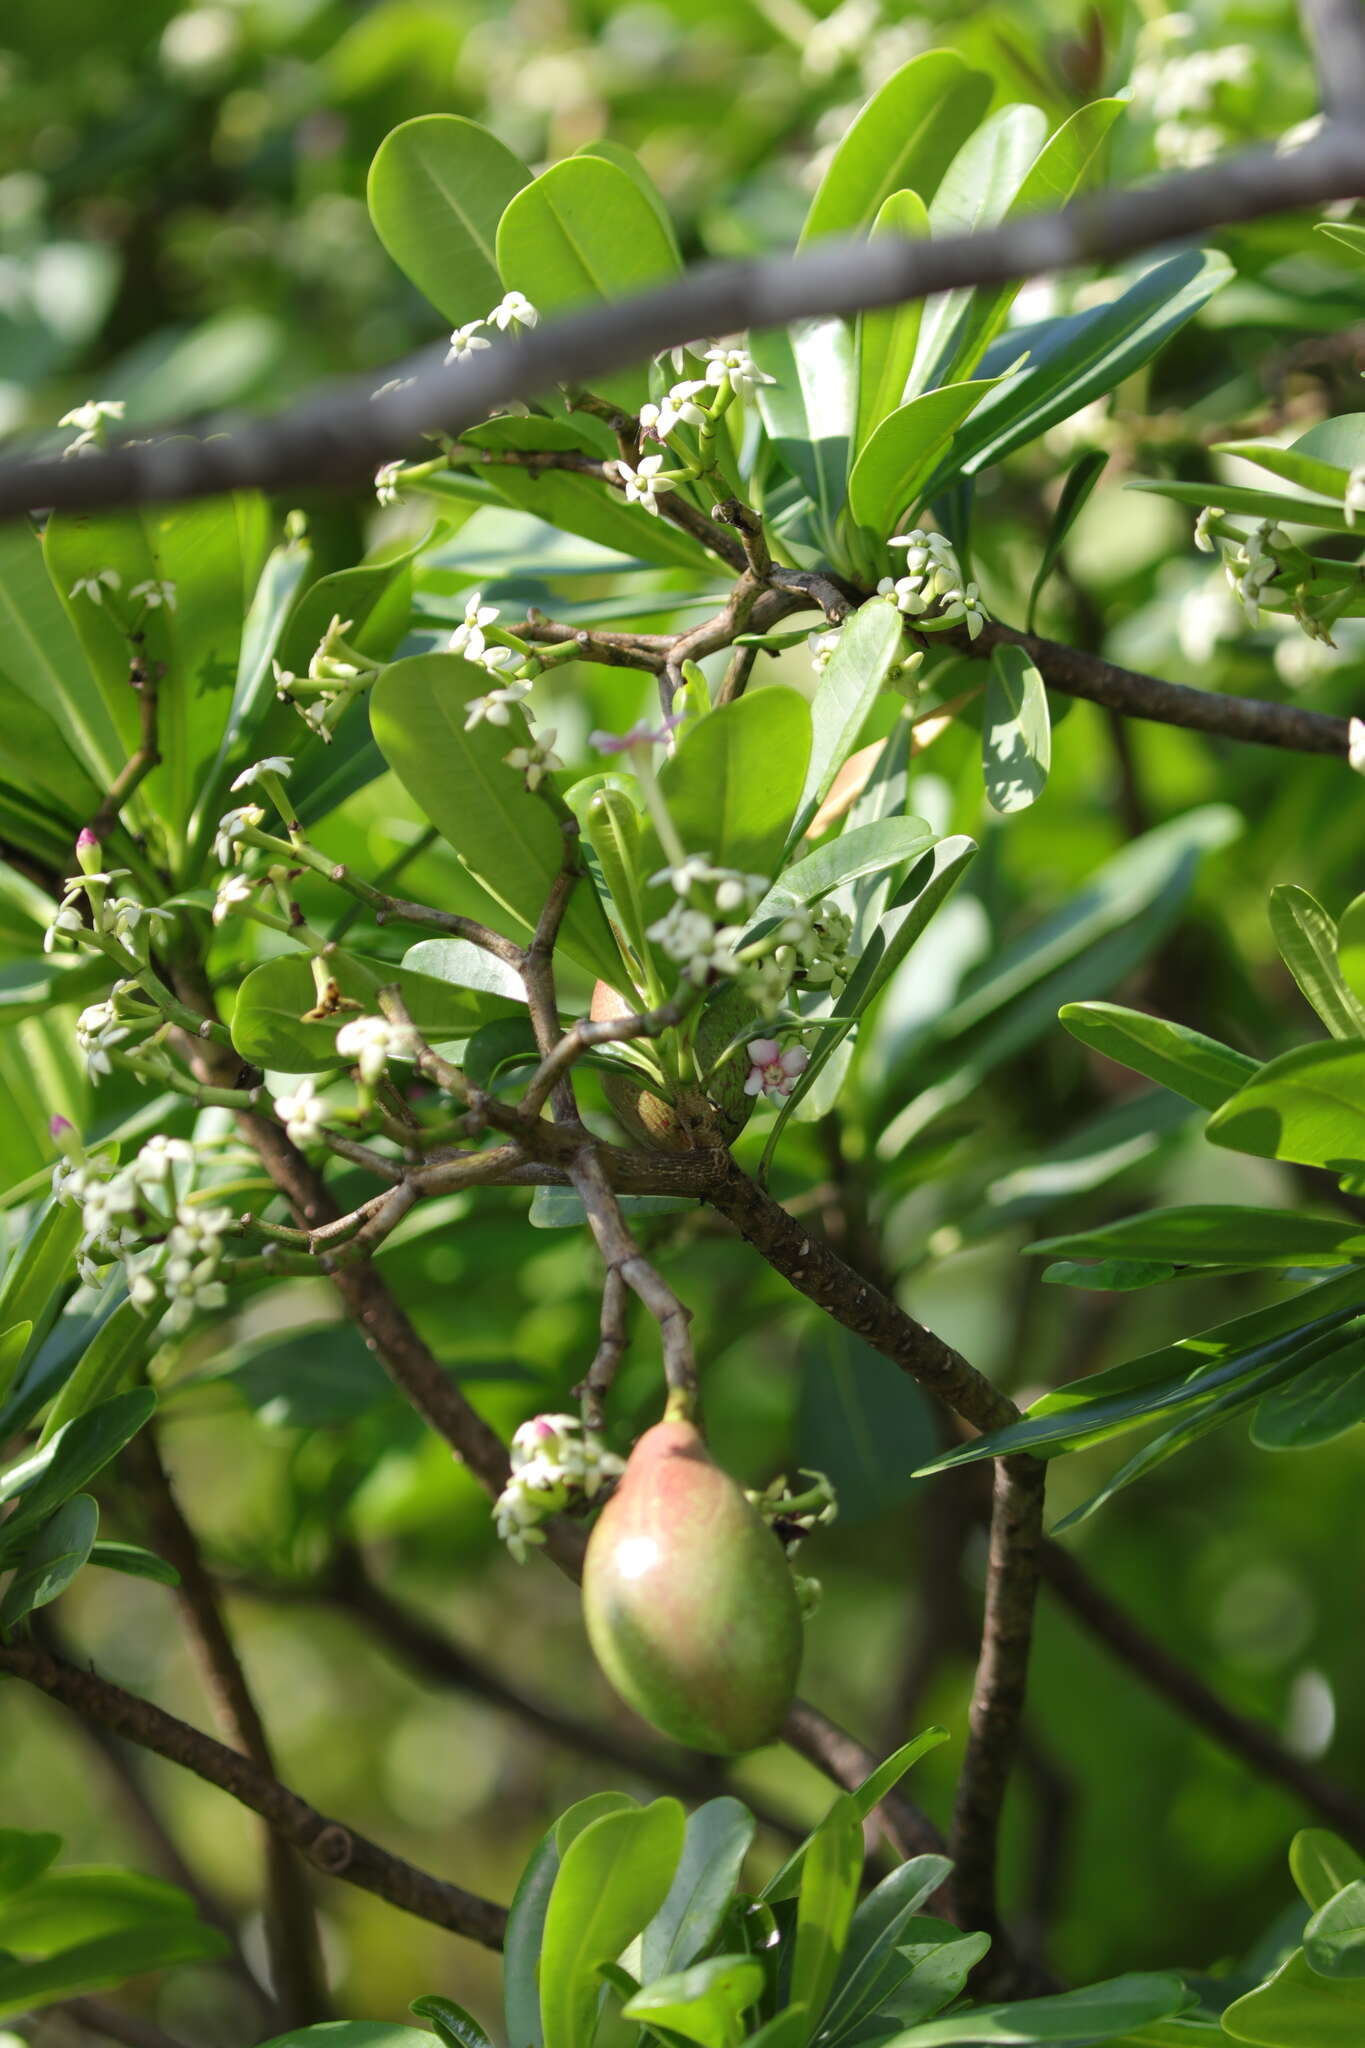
<point>773,1072</point>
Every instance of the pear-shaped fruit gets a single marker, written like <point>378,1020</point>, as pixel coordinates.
<point>700,1117</point>
<point>689,1605</point>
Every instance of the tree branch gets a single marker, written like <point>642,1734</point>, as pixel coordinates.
<point>328,1844</point>
<point>341,435</point>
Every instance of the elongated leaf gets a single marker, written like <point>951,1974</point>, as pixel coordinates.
<point>1210,1234</point>
<point>134,1562</point>
<point>33,1283</point>
<point>1308,1106</point>
<point>884,340</point>
<point>874,1788</point>
<point>1016,731</point>
<point>938,1962</point>
<point>714,1847</point>
<point>67,1463</point>
<point>611,826</point>
<point>1081,480</point>
<point>1316,1406</point>
<point>893,470</point>
<point>438,188</point>
<point>1298,2005</point>
<point>871,1964</point>
<point>1194,1066</point>
<point>86,1902</point>
<point>612,1880</point>
<point>51,1559</point>
<point>869,645</point>
<point>1307,939</point>
<point>1321,1864</point>
<point>41,655</point>
<point>23,1857</point>
<point>507,837</point>
<point>100,1964</point>
<point>1277,505</point>
<point>881,848</point>
<point>705,2004</point>
<point>1094,2014</point>
<point>455,2027</point>
<point>121,1342</point>
<point>810,409</point>
<point>825,1903</point>
<point>521,1945</point>
<point>904,139</point>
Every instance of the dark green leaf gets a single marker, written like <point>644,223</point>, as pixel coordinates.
<point>1094,2014</point>
<point>454,2026</point>
<point>714,1847</point>
<point>1317,1405</point>
<point>50,1560</point>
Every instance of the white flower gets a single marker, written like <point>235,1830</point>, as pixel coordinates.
<point>386,482</point>
<point>677,409</point>
<point>467,339</point>
<point>273,764</point>
<point>535,761</point>
<point>66,922</point>
<point>822,646</point>
<point>497,706</point>
<point>89,420</point>
<point>641,485</point>
<point>155,594</point>
<point>735,367</point>
<point>1354,499</point>
<point>98,1031</point>
<point>233,892</point>
<point>370,1042</point>
<point>1203,539</point>
<point>773,1072</point>
<point>496,658</point>
<point>1356,745</point>
<point>229,842</point>
<point>95,586</point>
<point>301,1113</point>
<point>513,310</point>
<point>687,937</point>
<point>468,639</point>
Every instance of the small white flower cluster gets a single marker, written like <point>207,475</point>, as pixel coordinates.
<point>814,946</point>
<point>336,674</point>
<point>535,760</point>
<point>822,646</point>
<point>230,842</point>
<point>469,641</point>
<point>371,1042</point>
<point>933,589</point>
<point>100,1030</point>
<point>143,1217</point>
<point>1253,564</point>
<point>121,918</point>
<point>151,594</point>
<point>555,1461</point>
<point>700,931</point>
<point>1178,88</point>
<point>678,408</point>
<point>1353,499</point>
<point>88,420</point>
<point>734,367</point>
<point>511,313</point>
<point>302,1115</point>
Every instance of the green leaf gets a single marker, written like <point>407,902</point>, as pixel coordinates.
<point>1321,1865</point>
<point>438,187</point>
<point>810,410</point>
<point>705,2004</point>
<point>874,1788</point>
<point>571,1823</point>
<point>508,838</point>
<point>121,1343</point>
<point>872,1966</point>
<point>100,1964</point>
<point>939,1961</point>
<point>581,233</point>
<point>870,643</point>
<point>48,1563</point>
<point>574,503</point>
<point>884,339</point>
<point>1317,1405</point>
<point>1213,1234</point>
<point>611,826</point>
<point>1343,231</point>
<point>1016,731</point>
<point>881,848</point>
<point>1307,939</point>
<point>1351,946</point>
<point>893,471</point>
<point>1275,505</point>
<point>41,655</point>
<point>1093,2014</point>
<point>1334,1939</point>
<point>1298,2007</point>
<point>453,2025</point>
<point>23,1857</point>
<point>1308,1105</point>
<point>904,138</point>
<point>1081,480</point>
<point>830,1876</point>
<point>268,1027</point>
<point>85,1903</point>
<point>353,2034</point>
<point>1194,1066</point>
<point>465,965</point>
<point>1083,356</point>
<point>714,1847</point>
<point>522,1942</point>
<point>627,161</point>
<point>134,1562</point>
<point>35,1279</point>
<point>66,1464</point>
<point>612,1880</point>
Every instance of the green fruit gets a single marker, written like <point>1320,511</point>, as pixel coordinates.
<point>689,1605</point>
<point>698,1117</point>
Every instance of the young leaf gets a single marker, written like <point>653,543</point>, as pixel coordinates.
<point>1194,1066</point>
<point>869,645</point>
<point>1081,480</point>
<point>455,2028</point>
<point>871,1963</point>
<point>705,2004</point>
<point>50,1560</point>
<point>881,848</point>
<point>1307,939</point>
<point>1298,2005</point>
<point>1321,1864</point>
<point>865,1797</point>
<point>825,1903</point>
<point>884,339</point>
<point>1308,1105</point>
<point>1016,732</point>
<point>1334,1939</point>
<point>438,187</point>
<point>714,1847</point>
<point>508,838</point>
<point>891,473</point>
<point>904,138</point>
<point>809,410</point>
<point>612,1880</point>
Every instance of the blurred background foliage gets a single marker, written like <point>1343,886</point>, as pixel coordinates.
<point>182,225</point>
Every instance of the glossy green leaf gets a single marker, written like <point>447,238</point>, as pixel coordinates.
<point>612,1880</point>
<point>465,965</point>
<point>24,1855</point>
<point>938,1963</point>
<point>714,1847</point>
<point>508,838</point>
<point>626,160</point>
<point>705,2004</point>
<point>71,1459</point>
<point>42,656</point>
<point>885,338</point>
<point>1299,2009</point>
<point>1194,1066</point>
<point>1351,946</point>
<point>1210,1234</point>
<point>86,1902</point>
<point>1317,1405</point>
<point>891,473</point>
<point>1092,2014</point>
<point>438,187</point>
<point>874,1788</point>
<point>870,643</point>
<point>521,1945</point>
<point>47,1564</point>
<point>35,1280</point>
<point>1016,731</point>
<point>872,1965</point>
<point>1308,1105</point>
<point>452,2024</point>
<point>572,1823</point>
<point>611,826</point>
<point>1307,939</point>
<point>1081,480</point>
<point>1334,1939</point>
<point>880,848</point>
<point>830,1877</point>
<point>110,1959</point>
<point>1276,505</point>
<point>810,408</point>
<point>904,139</point>
<point>268,1022</point>
<point>122,1341</point>
<point>1321,1865</point>
<point>134,1562</point>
